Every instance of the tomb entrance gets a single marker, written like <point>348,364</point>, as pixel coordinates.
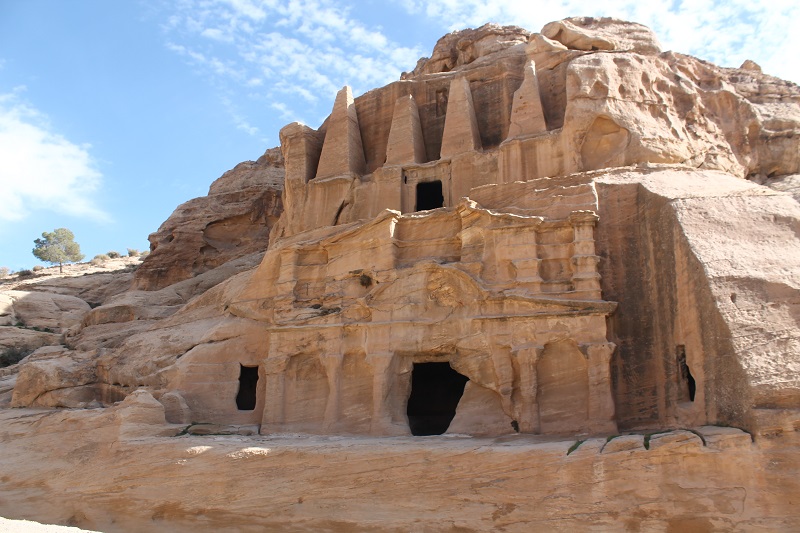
<point>248,381</point>
<point>429,195</point>
<point>435,392</point>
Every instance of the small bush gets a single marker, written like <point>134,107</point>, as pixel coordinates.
<point>38,268</point>
<point>144,254</point>
<point>25,273</point>
<point>133,252</point>
<point>113,255</point>
<point>12,356</point>
<point>4,271</point>
<point>99,259</point>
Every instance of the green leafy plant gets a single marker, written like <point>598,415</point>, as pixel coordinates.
<point>113,255</point>
<point>58,247</point>
<point>133,252</point>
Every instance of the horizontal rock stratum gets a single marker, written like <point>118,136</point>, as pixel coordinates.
<point>543,281</point>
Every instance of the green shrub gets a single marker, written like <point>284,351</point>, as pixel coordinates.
<point>38,268</point>
<point>4,271</point>
<point>25,273</point>
<point>144,254</point>
<point>133,252</point>
<point>113,255</point>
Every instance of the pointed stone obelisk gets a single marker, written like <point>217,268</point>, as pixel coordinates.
<point>342,151</point>
<point>461,132</point>
<point>527,115</point>
<point>406,144</point>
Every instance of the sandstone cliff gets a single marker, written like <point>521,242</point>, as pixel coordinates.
<point>232,221</point>
<point>532,243</point>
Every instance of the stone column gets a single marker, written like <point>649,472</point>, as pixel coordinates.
<point>333,366</point>
<point>601,399</point>
<point>381,385</point>
<point>585,277</point>
<point>528,408</point>
<point>275,396</point>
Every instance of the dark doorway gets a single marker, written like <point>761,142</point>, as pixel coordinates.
<point>435,391</point>
<point>429,195</point>
<point>248,380</point>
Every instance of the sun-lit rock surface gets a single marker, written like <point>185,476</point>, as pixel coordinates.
<point>573,255</point>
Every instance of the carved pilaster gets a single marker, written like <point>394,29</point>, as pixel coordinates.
<point>585,277</point>
<point>332,363</point>
<point>504,370</point>
<point>601,399</point>
<point>275,378</point>
<point>381,384</point>
<point>527,410</point>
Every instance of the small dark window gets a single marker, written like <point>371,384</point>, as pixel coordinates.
<point>687,384</point>
<point>248,381</point>
<point>429,195</point>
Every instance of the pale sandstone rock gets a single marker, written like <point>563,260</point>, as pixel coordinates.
<point>590,34</point>
<point>464,47</point>
<point>517,483</point>
<point>55,377</point>
<point>509,290</point>
<point>41,310</point>
<point>233,221</point>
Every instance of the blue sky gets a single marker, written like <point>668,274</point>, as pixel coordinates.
<point>112,113</point>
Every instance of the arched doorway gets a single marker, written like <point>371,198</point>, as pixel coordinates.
<point>435,392</point>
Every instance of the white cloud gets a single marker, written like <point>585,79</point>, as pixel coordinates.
<point>40,169</point>
<point>297,49</point>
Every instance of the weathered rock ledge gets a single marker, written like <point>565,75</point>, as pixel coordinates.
<point>115,470</point>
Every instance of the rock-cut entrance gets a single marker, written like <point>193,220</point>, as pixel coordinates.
<point>435,392</point>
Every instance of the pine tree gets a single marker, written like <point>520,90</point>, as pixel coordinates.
<point>58,247</point>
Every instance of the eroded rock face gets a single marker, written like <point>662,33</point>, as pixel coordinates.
<point>233,221</point>
<point>592,34</point>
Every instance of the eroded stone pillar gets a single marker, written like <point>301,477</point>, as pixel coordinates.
<point>527,115</point>
<point>301,148</point>
<point>601,398</point>
<point>342,150</point>
<point>381,385</point>
<point>585,277</point>
<point>406,144</point>
<point>527,411</point>
<point>332,363</point>
<point>275,396</point>
<point>461,132</point>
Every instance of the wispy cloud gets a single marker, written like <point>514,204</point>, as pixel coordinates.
<point>40,169</point>
<point>290,49</point>
<point>725,32</point>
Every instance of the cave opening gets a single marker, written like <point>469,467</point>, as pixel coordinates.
<point>435,392</point>
<point>429,195</point>
<point>248,381</point>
